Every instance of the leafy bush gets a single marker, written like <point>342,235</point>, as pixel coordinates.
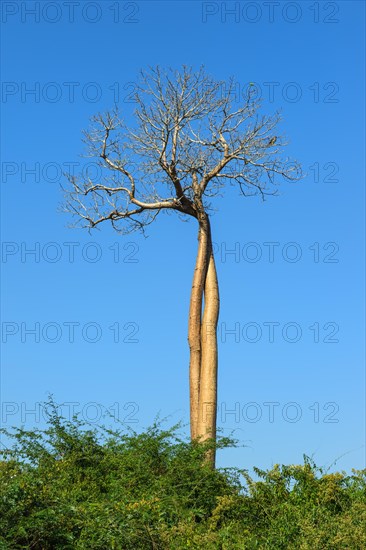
<point>70,487</point>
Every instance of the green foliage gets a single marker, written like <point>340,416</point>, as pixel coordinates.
<point>70,487</point>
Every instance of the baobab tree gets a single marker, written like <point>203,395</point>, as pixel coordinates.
<point>190,140</point>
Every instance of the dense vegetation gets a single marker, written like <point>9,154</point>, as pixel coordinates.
<point>72,487</point>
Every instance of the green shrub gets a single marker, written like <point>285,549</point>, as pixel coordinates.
<point>70,487</point>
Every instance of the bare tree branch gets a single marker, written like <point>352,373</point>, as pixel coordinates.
<point>187,144</point>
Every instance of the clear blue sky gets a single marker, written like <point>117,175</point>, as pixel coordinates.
<point>298,390</point>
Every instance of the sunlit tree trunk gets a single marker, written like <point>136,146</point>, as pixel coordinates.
<point>202,337</point>
<point>209,359</point>
<point>194,328</point>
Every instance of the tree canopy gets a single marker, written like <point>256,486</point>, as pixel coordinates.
<point>190,139</point>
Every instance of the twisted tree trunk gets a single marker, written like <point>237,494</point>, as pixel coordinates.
<point>209,359</point>
<point>202,338</point>
<point>194,328</point>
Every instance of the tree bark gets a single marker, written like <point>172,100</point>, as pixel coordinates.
<point>202,338</point>
<point>209,359</point>
<point>194,327</point>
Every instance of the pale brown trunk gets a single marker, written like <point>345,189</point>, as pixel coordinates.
<point>194,328</point>
<point>202,337</point>
<point>209,359</point>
